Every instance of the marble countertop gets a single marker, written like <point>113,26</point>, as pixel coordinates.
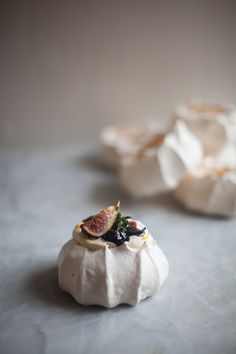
<point>43,194</point>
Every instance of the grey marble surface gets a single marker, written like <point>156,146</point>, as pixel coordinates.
<point>44,193</point>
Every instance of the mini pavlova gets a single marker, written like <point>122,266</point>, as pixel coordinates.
<point>209,189</point>
<point>214,124</point>
<point>161,163</point>
<point>125,139</point>
<point>110,260</point>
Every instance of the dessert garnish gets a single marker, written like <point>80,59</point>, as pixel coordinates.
<point>97,225</point>
<point>110,225</point>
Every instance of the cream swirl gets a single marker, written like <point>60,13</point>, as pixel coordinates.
<point>97,243</point>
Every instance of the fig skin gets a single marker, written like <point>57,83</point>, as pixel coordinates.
<point>99,224</point>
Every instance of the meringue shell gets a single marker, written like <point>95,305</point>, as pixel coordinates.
<point>214,124</point>
<point>226,157</point>
<point>210,191</point>
<point>124,139</point>
<point>111,276</point>
<point>161,167</point>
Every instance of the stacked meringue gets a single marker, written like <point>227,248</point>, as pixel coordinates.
<point>202,139</point>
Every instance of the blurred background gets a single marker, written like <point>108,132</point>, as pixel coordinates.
<point>69,67</point>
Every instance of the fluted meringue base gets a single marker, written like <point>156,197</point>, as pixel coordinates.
<point>208,194</point>
<point>111,276</point>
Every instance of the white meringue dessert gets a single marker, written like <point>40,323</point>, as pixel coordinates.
<point>209,190</point>
<point>214,124</point>
<point>125,139</point>
<point>161,163</point>
<point>123,265</point>
<point>226,157</point>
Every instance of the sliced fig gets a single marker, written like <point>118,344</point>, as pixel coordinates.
<point>100,223</point>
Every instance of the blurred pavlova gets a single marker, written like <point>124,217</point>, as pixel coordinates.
<point>121,140</point>
<point>214,124</point>
<point>210,190</point>
<point>152,159</point>
<point>160,164</point>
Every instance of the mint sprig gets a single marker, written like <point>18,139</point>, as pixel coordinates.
<point>121,223</point>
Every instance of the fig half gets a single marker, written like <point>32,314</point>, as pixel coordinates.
<point>102,222</point>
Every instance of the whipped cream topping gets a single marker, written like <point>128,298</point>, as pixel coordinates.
<point>97,243</point>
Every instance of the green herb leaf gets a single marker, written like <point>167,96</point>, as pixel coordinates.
<point>121,223</point>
